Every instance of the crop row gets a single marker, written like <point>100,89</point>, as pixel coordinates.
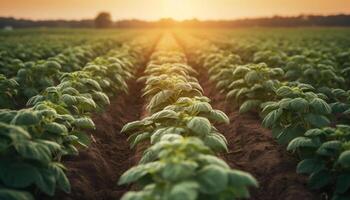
<point>34,140</point>
<point>180,162</point>
<point>31,78</point>
<point>33,48</point>
<point>306,114</point>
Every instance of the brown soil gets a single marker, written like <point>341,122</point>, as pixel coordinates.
<point>252,149</point>
<point>95,172</point>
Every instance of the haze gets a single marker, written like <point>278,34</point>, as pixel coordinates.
<point>177,9</point>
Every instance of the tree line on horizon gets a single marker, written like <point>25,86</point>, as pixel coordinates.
<point>104,20</point>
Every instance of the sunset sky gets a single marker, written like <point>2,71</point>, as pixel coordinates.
<point>177,9</point>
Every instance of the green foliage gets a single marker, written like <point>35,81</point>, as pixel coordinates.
<point>33,140</point>
<point>8,91</point>
<point>183,168</point>
<point>325,157</point>
<point>179,164</point>
<point>297,111</point>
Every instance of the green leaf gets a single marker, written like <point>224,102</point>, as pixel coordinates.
<point>284,91</point>
<point>213,160</point>
<point>56,128</point>
<point>309,166</point>
<point>159,100</point>
<point>135,196</point>
<point>239,178</point>
<point>314,132</point>
<point>137,172</point>
<point>87,104</point>
<point>25,118</point>
<point>139,138</point>
<point>317,121</point>
<point>33,150</point>
<point>212,179</point>
<point>101,97</point>
<point>19,174</point>
<point>215,142</point>
<point>164,114</point>
<point>199,107</point>
<point>219,117</point>
<point>343,183</point>
<point>320,179</point>
<point>133,174</point>
<point>187,190</point>
<point>131,126</point>
<point>299,104</point>
<point>85,123</point>
<point>159,133</point>
<point>61,178</point>
<point>249,105</point>
<point>252,77</point>
<point>320,106</point>
<point>69,100</point>
<point>47,182</point>
<point>272,118</point>
<point>179,171</point>
<point>199,125</point>
<point>288,134</point>
<point>344,158</point>
<point>83,138</point>
<point>11,194</point>
<point>329,148</point>
<point>301,142</point>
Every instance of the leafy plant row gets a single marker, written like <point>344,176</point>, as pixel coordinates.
<point>180,162</point>
<point>34,140</point>
<point>33,77</point>
<point>33,47</point>
<point>307,57</point>
<point>313,125</point>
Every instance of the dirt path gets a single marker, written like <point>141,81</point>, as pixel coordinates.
<point>253,149</point>
<point>95,172</point>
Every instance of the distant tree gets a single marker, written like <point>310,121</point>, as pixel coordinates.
<point>103,20</point>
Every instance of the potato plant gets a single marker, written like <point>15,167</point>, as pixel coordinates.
<point>35,76</point>
<point>8,91</point>
<point>325,157</point>
<point>298,110</point>
<point>33,140</point>
<point>253,85</point>
<point>310,112</point>
<point>187,117</point>
<point>180,129</point>
<point>185,168</point>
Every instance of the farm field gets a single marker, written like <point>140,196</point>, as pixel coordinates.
<point>175,114</point>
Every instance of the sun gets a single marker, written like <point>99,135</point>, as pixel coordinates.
<point>178,9</point>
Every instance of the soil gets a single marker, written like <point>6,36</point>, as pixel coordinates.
<point>95,172</point>
<point>252,149</point>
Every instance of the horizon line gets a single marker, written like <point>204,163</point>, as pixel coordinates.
<point>181,20</point>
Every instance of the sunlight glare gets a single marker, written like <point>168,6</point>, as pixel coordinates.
<point>178,9</point>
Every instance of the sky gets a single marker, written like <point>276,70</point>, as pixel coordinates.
<point>177,9</point>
